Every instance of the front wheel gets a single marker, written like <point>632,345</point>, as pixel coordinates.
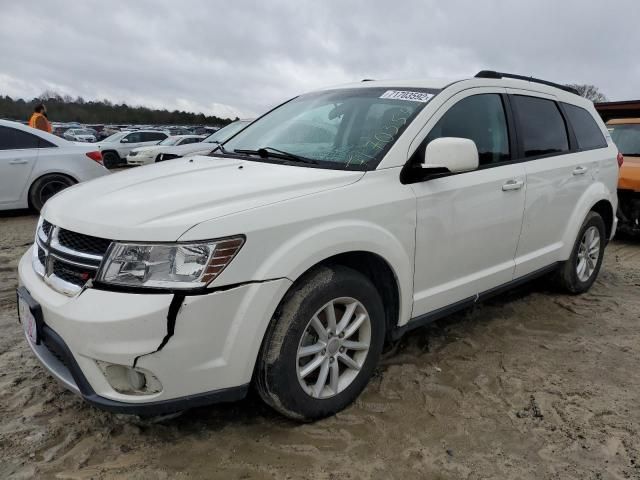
<point>578,273</point>
<point>322,345</point>
<point>46,187</point>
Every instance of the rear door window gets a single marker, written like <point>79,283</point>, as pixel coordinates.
<point>588,134</point>
<point>14,139</point>
<point>542,128</point>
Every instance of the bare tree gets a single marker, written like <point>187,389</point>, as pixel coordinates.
<point>590,92</point>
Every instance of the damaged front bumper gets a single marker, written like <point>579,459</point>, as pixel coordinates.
<point>201,348</point>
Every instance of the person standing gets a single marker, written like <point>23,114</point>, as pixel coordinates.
<point>39,118</point>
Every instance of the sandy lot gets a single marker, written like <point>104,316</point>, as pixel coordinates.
<point>530,385</point>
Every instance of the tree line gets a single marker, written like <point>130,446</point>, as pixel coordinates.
<point>67,109</point>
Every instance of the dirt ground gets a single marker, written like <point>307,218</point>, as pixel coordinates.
<point>530,385</point>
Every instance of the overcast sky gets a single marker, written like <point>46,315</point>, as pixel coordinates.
<point>240,57</point>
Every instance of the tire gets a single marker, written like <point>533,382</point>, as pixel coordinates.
<point>46,187</point>
<point>280,373</point>
<point>569,277</point>
<point>110,159</point>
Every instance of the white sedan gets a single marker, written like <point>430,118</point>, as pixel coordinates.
<point>35,165</point>
<point>149,154</point>
<point>79,135</point>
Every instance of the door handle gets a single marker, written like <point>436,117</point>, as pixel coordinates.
<point>18,161</point>
<point>512,184</point>
<point>580,170</point>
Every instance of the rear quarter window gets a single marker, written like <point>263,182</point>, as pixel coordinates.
<point>588,134</point>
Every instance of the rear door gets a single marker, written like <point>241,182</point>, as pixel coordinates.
<point>556,178</point>
<point>18,156</point>
<point>468,224</point>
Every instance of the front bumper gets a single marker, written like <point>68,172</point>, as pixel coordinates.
<point>209,356</point>
<point>139,160</point>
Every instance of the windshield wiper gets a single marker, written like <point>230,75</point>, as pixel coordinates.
<point>219,147</point>
<point>266,152</point>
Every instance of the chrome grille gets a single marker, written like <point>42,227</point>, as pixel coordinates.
<point>67,260</point>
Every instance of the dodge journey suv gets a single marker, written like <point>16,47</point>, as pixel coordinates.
<point>283,260</point>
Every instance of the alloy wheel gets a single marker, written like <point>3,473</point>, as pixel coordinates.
<point>333,347</point>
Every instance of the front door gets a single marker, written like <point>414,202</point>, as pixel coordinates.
<point>468,224</point>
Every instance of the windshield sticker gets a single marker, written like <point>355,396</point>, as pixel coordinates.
<point>422,97</point>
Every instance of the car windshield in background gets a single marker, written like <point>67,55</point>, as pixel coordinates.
<point>627,138</point>
<point>226,132</point>
<point>345,128</point>
<point>170,141</point>
<point>115,137</point>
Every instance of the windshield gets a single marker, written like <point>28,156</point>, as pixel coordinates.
<point>84,132</point>
<point>115,137</point>
<point>170,141</point>
<point>347,128</point>
<point>226,132</point>
<point>627,138</point>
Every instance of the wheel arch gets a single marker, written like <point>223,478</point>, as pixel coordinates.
<point>596,198</point>
<point>46,174</point>
<point>376,269</point>
<point>605,210</point>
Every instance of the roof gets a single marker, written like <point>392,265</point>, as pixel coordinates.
<point>483,80</point>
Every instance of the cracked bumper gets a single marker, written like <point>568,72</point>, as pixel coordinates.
<point>213,349</point>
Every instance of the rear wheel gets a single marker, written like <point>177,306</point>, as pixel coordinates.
<point>110,159</point>
<point>322,345</point>
<point>46,187</point>
<point>578,273</point>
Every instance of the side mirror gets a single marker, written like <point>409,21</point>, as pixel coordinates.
<point>124,140</point>
<point>454,154</point>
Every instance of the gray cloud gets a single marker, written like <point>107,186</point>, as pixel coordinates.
<point>243,57</point>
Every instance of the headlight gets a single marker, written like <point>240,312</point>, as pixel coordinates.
<point>168,265</point>
<point>133,154</point>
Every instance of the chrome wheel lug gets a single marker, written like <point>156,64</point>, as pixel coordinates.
<point>341,349</point>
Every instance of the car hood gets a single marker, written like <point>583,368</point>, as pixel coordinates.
<point>160,202</point>
<point>184,150</point>
<point>146,149</point>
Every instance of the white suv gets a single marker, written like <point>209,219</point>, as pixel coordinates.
<point>340,219</point>
<point>116,147</point>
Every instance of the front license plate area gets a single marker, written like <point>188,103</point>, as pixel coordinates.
<point>29,314</point>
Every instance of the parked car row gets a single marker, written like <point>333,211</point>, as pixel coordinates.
<point>146,155</point>
<point>168,149</point>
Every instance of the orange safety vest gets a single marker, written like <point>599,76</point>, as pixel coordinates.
<point>39,121</point>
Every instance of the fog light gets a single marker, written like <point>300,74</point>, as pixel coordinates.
<point>129,380</point>
<point>136,379</point>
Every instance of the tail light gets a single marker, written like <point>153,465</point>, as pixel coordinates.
<point>620,159</point>
<point>95,156</point>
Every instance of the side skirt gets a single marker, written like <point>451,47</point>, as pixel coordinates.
<point>430,317</point>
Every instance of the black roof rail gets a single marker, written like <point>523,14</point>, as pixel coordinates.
<point>367,80</point>
<point>492,74</point>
